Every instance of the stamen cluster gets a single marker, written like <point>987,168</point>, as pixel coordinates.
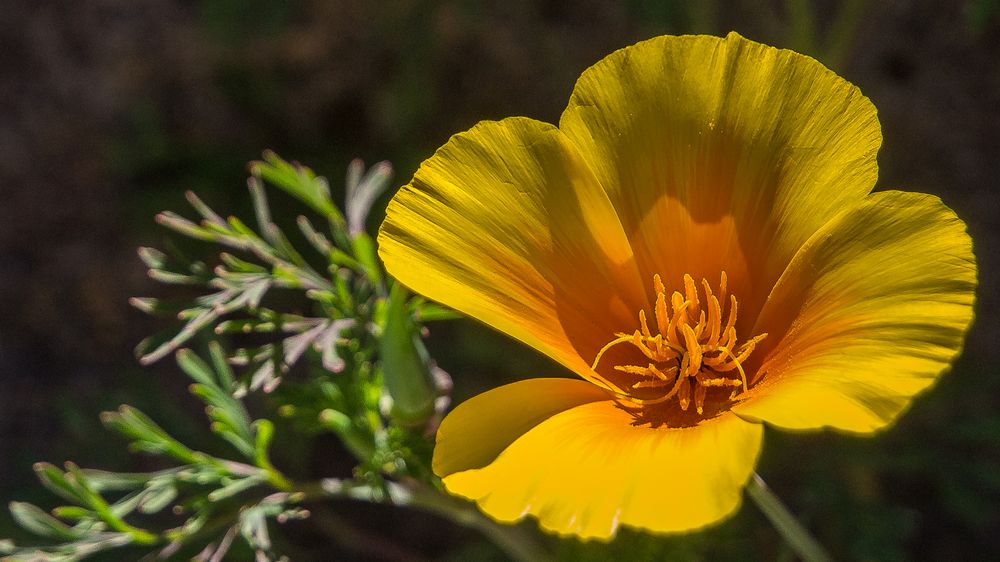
<point>690,352</point>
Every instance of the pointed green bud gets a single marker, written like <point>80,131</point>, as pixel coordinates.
<point>405,363</point>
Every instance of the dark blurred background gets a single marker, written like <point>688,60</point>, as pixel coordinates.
<point>111,109</point>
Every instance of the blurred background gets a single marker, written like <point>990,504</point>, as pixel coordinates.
<point>111,109</point>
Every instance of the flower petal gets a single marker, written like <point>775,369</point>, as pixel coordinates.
<point>474,433</point>
<point>588,469</point>
<point>505,224</point>
<point>716,149</point>
<point>873,308</point>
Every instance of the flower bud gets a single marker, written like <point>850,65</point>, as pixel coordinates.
<point>405,363</point>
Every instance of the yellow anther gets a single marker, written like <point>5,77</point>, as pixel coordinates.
<point>739,367</point>
<point>661,313</point>
<point>723,282</point>
<point>751,344</point>
<point>638,341</point>
<point>700,392</point>
<point>693,350</point>
<point>663,351</point>
<point>719,382</point>
<point>731,323</point>
<point>691,291</point>
<point>677,302</point>
<point>728,338</point>
<point>658,285</point>
<point>642,323</point>
<point>650,384</point>
<point>684,396</point>
<point>679,318</point>
<point>700,328</point>
<point>632,369</point>
<point>707,288</point>
<point>660,374</point>
<point>714,320</point>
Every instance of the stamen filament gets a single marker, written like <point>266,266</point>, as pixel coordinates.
<point>612,343</point>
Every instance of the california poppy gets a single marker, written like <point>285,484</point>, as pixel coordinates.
<point>698,241</point>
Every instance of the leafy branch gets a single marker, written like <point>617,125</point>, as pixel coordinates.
<point>364,375</point>
<point>200,489</point>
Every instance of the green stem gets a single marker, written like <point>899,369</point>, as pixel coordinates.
<point>802,26</point>
<point>797,537</point>
<point>842,32</point>
<point>513,540</point>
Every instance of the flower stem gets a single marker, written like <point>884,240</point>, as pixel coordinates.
<point>797,537</point>
<point>514,540</point>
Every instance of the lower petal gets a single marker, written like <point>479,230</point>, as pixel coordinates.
<point>474,433</point>
<point>587,470</point>
<point>872,310</point>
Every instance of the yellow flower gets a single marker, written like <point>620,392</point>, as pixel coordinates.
<point>698,241</point>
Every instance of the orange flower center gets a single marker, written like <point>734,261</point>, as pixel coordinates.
<point>691,352</point>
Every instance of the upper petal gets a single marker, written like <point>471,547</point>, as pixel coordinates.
<point>869,313</point>
<point>588,469</point>
<point>507,225</point>
<point>719,152</point>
